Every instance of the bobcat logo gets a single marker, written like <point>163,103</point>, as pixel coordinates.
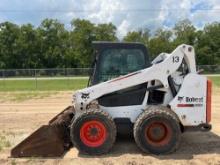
<point>85,96</point>
<point>180,99</point>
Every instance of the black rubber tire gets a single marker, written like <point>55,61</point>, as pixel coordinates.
<point>157,114</point>
<point>105,119</point>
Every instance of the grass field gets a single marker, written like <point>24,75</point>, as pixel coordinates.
<point>215,80</point>
<point>42,84</point>
<point>56,84</point>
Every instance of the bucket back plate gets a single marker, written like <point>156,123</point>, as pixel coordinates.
<point>50,140</point>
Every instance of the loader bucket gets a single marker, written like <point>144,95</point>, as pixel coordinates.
<point>51,140</point>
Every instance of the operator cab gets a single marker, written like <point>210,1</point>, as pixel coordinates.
<point>114,59</point>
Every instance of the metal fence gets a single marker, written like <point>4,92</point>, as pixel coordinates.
<point>75,72</point>
<point>43,79</point>
<point>209,69</point>
<point>58,79</point>
<point>32,73</point>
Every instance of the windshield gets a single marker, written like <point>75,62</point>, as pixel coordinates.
<point>117,62</point>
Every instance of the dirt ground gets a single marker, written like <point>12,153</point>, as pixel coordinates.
<point>18,120</point>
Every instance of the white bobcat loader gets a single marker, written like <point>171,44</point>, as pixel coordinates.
<point>155,101</point>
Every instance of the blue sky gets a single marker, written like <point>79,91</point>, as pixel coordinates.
<point>125,14</point>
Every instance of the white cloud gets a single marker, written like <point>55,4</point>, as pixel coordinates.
<point>123,28</point>
<point>103,10</point>
<point>118,12</point>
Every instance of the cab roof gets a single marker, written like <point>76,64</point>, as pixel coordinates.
<point>100,45</point>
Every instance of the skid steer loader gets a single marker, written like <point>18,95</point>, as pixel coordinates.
<point>157,101</point>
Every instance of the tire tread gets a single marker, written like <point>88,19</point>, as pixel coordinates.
<point>155,111</point>
<point>105,115</point>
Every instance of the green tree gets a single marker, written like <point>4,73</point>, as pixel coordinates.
<point>9,58</point>
<point>138,36</point>
<point>28,47</point>
<point>82,35</point>
<point>207,47</point>
<point>161,42</point>
<point>184,32</point>
<point>53,43</point>
<point>105,32</point>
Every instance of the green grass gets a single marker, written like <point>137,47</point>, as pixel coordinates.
<point>19,96</point>
<point>56,85</point>
<point>215,80</point>
<point>4,143</point>
<point>43,85</point>
<point>13,162</point>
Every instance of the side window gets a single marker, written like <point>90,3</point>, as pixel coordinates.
<point>117,62</point>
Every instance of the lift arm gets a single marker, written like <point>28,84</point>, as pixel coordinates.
<point>163,66</point>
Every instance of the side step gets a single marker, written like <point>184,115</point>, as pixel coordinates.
<point>51,140</point>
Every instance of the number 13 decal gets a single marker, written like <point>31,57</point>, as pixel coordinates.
<point>176,59</point>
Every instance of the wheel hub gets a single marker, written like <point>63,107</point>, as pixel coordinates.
<point>158,133</point>
<point>93,133</point>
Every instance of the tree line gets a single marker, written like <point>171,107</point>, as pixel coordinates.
<point>51,45</point>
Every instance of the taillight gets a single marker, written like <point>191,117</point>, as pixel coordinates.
<point>208,101</point>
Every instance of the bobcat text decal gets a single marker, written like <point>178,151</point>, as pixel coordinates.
<point>190,101</point>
